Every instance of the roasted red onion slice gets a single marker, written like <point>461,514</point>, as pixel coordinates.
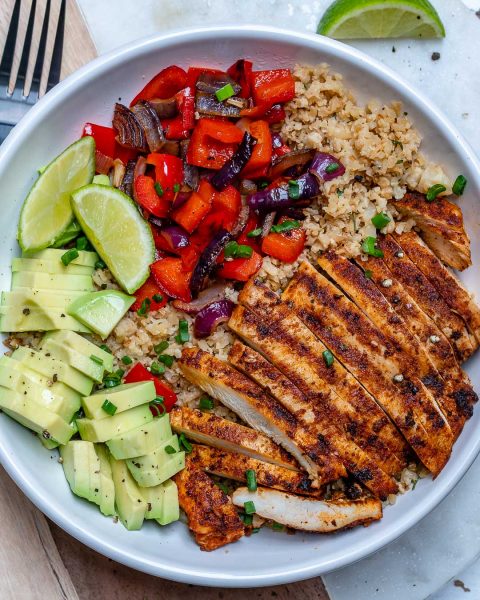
<point>207,260</point>
<point>241,221</point>
<point>191,175</point>
<point>127,182</point>
<point>130,133</point>
<point>211,82</point>
<point>103,163</point>
<point>165,108</point>
<point>210,317</point>
<point>279,198</point>
<point>175,236</point>
<point>296,158</point>
<point>149,121</point>
<point>180,199</point>
<point>206,297</point>
<point>118,173</point>
<point>267,224</point>
<point>326,167</point>
<point>207,104</point>
<point>234,165</point>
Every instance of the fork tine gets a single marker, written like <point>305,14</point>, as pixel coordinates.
<point>33,55</point>
<point>53,23</point>
<point>25,11</point>
<point>57,56</point>
<point>8,33</point>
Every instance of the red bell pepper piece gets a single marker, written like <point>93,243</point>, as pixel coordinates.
<point>227,201</point>
<point>252,224</point>
<point>272,87</point>
<point>261,157</point>
<point>179,127</point>
<point>241,269</point>
<point>148,290</point>
<point>241,72</point>
<point>105,142</point>
<point>168,173</point>
<point>140,373</point>
<point>158,239</point>
<point>164,85</point>
<point>274,115</point>
<point>146,195</point>
<point>171,278</point>
<point>212,143</point>
<point>194,73</point>
<point>189,256</point>
<point>196,208</point>
<point>286,246</point>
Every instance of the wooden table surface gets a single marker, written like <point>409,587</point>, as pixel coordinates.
<point>38,560</point>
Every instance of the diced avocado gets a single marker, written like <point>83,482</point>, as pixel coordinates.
<point>47,281</point>
<point>85,258</point>
<point>170,505</point>
<point>55,370</point>
<point>86,365</point>
<point>34,416</point>
<point>18,319</point>
<point>131,506</point>
<point>107,488</point>
<point>82,345</point>
<point>48,444</point>
<point>124,397</point>
<point>158,466</point>
<point>39,298</point>
<point>76,466</point>
<point>101,430</point>
<point>101,311</point>
<point>141,440</point>
<point>38,265</point>
<point>102,179</point>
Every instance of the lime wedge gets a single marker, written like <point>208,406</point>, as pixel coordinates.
<point>101,311</point>
<point>118,232</point>
<point>357,19</point>
<point>46,212</point>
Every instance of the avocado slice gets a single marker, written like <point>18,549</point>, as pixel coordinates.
<point>124,396</point>
<point>158,466</point>
<point>82,345</point>
<point>107,488</point>
<point>48,444</point>
<point>34,416</point>
<point>101,430</point>
<point>37,265</point>
<point>54,369</point>
<point>39,298</point>
<point>76,466</point>
<point>85,258</point>
<point>47,281</point>
<point>93,368</point>
<point>170,505</point>
<point>131,506</point>
<point>18,319</point>
<point>141,440</point>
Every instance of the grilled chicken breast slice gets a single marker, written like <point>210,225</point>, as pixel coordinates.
<point>261,412</point>
<point>209,429</point>
<point>233,465</point>
<point>257,367</point>
<point>441,226</point>
<point>212,517</point>
<point>307,514</point>
<point>450,288</point>
<point>349,335</point>
<point>400,350</point>
<point>427,297</point>
<point>280,346</point>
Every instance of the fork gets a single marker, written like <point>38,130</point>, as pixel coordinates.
<point>31,56</point>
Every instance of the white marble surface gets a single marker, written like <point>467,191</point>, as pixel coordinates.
<point>441,547</point>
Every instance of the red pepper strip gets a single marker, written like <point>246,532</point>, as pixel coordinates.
<point>148,290</point>
<point>148,198</point>
<point>195,209</point>
<point>189,256</point>
<point>241,72</point>
<point>139,373</point>
<point>261,157</point>
<point>273,86</point>
<point>286,246</point>
<point>171,278</point>
<point>241,269</point>
<point>105,142</point>
<point>164,85</point>
<point>212,143</point>
<point>194,73</point>
<point>227,201</point>
<point>179,127</point>
<point>168,173</point>
<point>252,224</point>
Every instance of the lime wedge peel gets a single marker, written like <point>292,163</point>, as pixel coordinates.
<point>360,19</point>
<point>47,212</point>
<point>117,231</point>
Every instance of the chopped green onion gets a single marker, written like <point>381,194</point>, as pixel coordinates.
<point>251,480</point>
<point>205,403</point>
<point>170,450</point>
<point>249,507</point>
<point>159,348</point>
<point>81,243</point>
<point>158,405</point>
<point>285,226</point>
<point>96,359</point>
<point>144,308</point>
<point>157,369</point>
<point>166,359</point>
<point>100,264</point>
<point>328,358</point>
<point>105,348</point>
<point>433,191</point>
<point>111,380</point>
<point>380,220</point>
<point>255,529</point>
<point>293,189</point>
<point>126,360</point>
<point>397,143</point>
<point>262,185</point>
<point>368,274</point>
<point>120,373</point>
<point>69,255</point>
<point>182,336</point>
<point>184,443</point>
<point>247,519</point>
<point>235,250</point>
<point>158,189</point>
<point>176,188</point>
<point>157,297</point>
<point>254,232</point>
<point>109,407</point>
<point>331,168</point>
<point>369,247</point>
<point>278,526</point>
<point>459,185</point>
<point>225,92</point>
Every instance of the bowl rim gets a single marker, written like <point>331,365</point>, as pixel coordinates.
<point>103,63</point>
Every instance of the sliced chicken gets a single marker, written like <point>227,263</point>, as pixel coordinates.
<point>257,367</point>
<point>207,428</point>
<point>441,226</point>
<point>212,517</point>
<point>280,344</point>
<point>307,514</point>
<point>399,349</point>
<point>233,465</point>
<point>261,412</point>
<point>427,297</point>
<point>450,288</point>
<point>356,342</point>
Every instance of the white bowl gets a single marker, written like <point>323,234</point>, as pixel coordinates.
<point>268,557</point>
